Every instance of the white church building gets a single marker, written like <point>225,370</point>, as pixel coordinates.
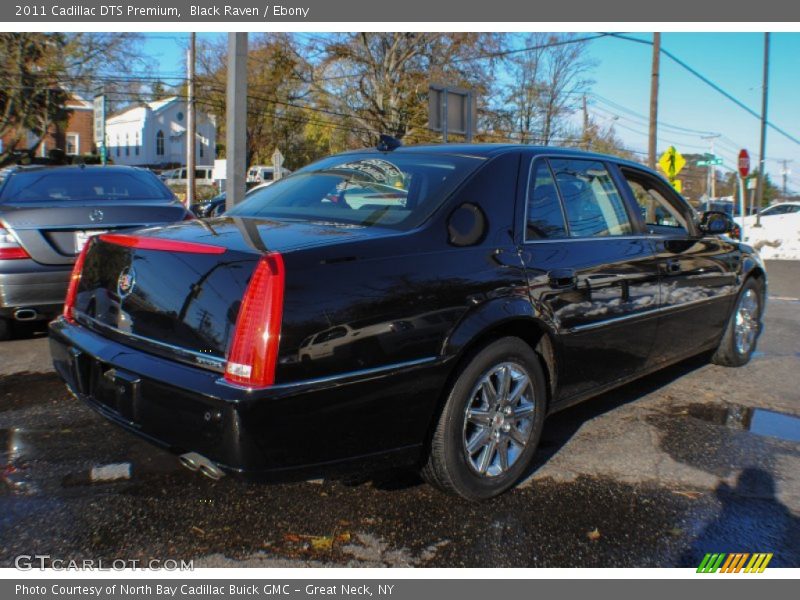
<point>154,133</point>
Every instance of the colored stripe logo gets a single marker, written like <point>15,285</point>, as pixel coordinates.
<point>735,562</point>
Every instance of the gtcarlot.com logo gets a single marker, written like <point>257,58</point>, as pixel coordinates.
<point>741,562</point>
<point>28,562</point>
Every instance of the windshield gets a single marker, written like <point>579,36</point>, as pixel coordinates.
<point>70,185</point>
<point>397,191</point>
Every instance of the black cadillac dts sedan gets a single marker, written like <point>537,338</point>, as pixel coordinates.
<point>421,305</point>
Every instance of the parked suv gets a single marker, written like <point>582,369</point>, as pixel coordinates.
<point>488,287</point>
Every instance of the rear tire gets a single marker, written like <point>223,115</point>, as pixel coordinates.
<point>744,326</point>
<point>490,424</point>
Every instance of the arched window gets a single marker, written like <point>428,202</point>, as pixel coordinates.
<point>160,143</point>
<point>117,144</point>
<point>127,145</point>
<point>136,147</point>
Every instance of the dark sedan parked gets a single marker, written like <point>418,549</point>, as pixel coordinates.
<point>313,328</point>
<point>46,216</point>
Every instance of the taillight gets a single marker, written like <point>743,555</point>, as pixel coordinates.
<point>74,280</point>
<point>189,216</point>
<point>254,351</point>
<point>10,248</point>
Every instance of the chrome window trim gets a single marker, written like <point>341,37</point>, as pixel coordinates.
<point>570,238</point>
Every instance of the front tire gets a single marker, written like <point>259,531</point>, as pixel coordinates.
<point>744,326</point>
<point>491,422</point>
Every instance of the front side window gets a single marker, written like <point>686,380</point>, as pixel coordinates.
<point>395,190</point>
<point>657,212</point>
<point>592,203</point>
<point>544,216</point>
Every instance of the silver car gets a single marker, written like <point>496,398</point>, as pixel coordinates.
<point>46,216</point>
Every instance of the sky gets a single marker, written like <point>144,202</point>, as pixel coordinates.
<point>621,91</point>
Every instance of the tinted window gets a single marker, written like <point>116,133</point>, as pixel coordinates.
<point>545,219</point>
<point>397,190</point>
<point>591,200</point>
<point>83,184</point>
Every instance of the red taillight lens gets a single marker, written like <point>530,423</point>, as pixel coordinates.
<point>9,247</point>
<point>153,243</point>
<point>13,253</point>
<point>74,280</point>
<point>254,351</point>
<point>189,216</point>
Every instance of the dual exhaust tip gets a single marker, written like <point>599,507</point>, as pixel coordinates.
<point>197,462</point>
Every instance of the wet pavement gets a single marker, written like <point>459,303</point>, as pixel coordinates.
<point>691,460</point>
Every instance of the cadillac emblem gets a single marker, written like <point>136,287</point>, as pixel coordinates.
<point>125,282</point>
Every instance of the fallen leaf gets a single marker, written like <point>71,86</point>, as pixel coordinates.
<point>291,537</point>
<point>688,494</point>
<point>594,534</point>
<point>198,530</point>
<point>322,543</point>
<point>344,537</point>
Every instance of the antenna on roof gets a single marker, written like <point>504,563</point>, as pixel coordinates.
<point>387,143</point>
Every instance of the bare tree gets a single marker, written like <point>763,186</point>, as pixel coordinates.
<point>547,81</point>
<point>378,82</point>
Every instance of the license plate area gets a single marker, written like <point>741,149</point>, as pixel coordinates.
<point>83,237</point>
<point>115,389</point>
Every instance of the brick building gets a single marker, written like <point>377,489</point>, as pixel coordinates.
<point>74,138</point>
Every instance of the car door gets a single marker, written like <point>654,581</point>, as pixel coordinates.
<point>698,272</point>
<point>590,272</point>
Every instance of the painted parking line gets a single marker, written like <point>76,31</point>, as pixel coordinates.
<point>784,299</point>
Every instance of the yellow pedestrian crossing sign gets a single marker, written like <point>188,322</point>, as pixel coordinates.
<point>671,162</point>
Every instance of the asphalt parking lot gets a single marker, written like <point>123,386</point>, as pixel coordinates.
<point>694,459</point>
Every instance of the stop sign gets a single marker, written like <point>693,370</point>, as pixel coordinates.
<point>744,163</point>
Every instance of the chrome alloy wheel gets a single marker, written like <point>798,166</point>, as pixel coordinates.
<point>498,419</point>
<point>746,325</point>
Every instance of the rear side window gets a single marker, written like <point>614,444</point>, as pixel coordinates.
<point>544,217</point>
<point>592,203</point>
<point>75,185</point>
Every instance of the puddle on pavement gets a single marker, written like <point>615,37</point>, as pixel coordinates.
<point>755,420</point>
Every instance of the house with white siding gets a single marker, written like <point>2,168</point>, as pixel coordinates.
<point>154,133</point>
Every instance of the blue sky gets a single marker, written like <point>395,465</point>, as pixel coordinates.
<point>622,76</point>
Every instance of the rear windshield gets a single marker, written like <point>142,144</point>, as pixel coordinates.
<point>397,191</point>
<point>69,185</point>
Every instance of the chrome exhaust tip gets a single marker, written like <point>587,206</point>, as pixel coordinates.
<point>25,314</point>
<point>197,462</point>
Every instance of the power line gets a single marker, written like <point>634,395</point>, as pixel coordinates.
<point>710,83</point>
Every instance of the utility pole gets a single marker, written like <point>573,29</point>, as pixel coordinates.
<point>236,120</point>
<point>191,126</point>
<point>711,186</point>
<point>654,80</point>
<point>762,151</point>
<point>586,142</point>
<point>785,172</point>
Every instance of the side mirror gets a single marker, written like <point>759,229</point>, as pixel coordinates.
<point>466,225</point>
<point>716,223</point>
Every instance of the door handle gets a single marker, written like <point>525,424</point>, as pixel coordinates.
<point>562,279</point>
<point>672,266</point>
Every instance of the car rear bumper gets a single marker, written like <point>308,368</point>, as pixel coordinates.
<point>369,420</point>
<point>42,290</point>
